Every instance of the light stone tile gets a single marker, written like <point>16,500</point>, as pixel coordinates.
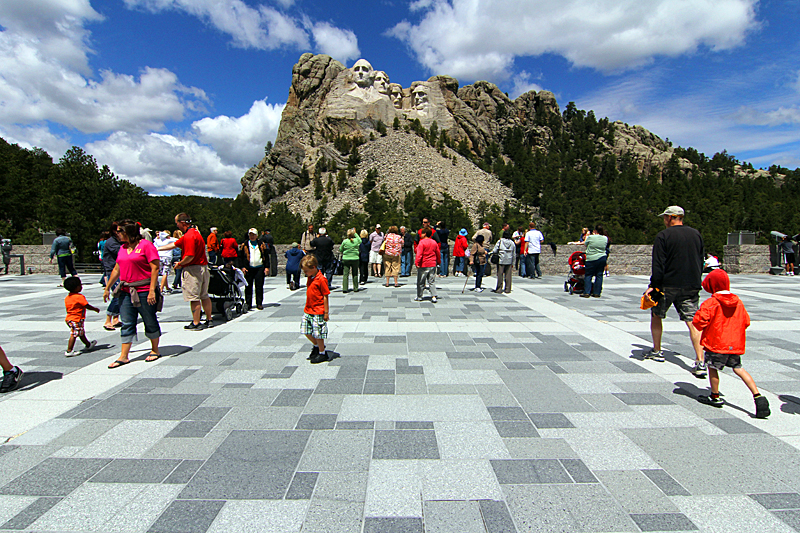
<point>46,432</point>
<point>187,448</point>
<point>729,513</point>
<point>469,440</point>
<point>453,516</point>
<point>412,408</point>
<point>89,507</point>
<point>142,510</point>
<point>239,376</point>
<point>608,420</point>
<point>393,490</point>
<point>458,480</point>
<point>603,449</point>
<point>264,516</point>
<point>342,486</point>
<point>327,516</point>
<point>337,451</point>
<point>10,506</point>
<point>130,439</point>
<point>635,492</point>
<point>539,448</point>
<point>589,384</point>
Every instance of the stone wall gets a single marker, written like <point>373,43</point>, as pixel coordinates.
<point>37,257</point>
<point>746,259</point>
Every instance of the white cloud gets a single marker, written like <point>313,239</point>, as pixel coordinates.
<point>476,39</point>
<point>167,164</point>
<point>337,43</point>
<point>777,117</point>
<point>36,137</point>
<point>240,141</point>
<point>43,78</point>
<point>523,84</point>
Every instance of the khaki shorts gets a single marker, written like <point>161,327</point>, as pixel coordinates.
<point>194,281</point>
<point>391,265</point>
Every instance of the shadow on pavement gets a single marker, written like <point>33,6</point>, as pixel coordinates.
<point>690,390</point>
<point>791,404</point>
<point>31,380</point>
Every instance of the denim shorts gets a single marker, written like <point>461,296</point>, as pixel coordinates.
<point>721,360</point>
<point>686,302</point>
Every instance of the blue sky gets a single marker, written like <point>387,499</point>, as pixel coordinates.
<point>180,96</point>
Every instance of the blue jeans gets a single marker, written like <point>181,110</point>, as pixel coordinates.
<point>532,265</point>
<point>445,262</point>
<point>458,264</point>
<point>113,305</point>
<point>522,268</point>
<point>129,316</point>
<point>177,281</point>
<point>593,278</point>
<point>479,270</point>
<point>406,260</point>
<point>65,263</point>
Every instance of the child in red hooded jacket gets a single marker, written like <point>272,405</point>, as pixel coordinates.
<point>722,319</point>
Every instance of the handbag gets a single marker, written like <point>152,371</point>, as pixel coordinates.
<point>495,258</point>
<point>383,247</point>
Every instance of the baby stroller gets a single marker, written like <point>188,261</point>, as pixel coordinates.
<point>577,269</point>
<point>225,293</point>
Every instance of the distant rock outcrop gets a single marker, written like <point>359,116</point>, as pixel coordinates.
<point>329,101</point>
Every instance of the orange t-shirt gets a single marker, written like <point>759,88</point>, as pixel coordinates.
<point>76,307</point>
<point>315,294</point>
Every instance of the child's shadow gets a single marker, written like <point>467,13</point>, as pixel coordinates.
<point>31,380</point>
<point>791,404</point>
<point>669,356</point>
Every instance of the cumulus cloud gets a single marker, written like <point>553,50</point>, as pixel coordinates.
<point>168,164</point>
<point>457,37</point>
<point>777,117</point>
<point>337,43</point>
<point>523,84</point>
<point>241,140</point>
<point>36,136</point>
<point>43,64</point>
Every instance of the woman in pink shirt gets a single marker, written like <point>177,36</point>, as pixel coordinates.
<point>137,269</point>
<point>393,246</point>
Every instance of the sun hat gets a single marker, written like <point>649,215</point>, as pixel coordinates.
<point>463,232</point>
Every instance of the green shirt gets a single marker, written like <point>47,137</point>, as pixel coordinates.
<point>349,249</point>
<point>595,247</point>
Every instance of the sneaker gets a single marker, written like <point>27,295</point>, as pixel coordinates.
<point>595,296</point>
<point>699,369</point>
<point>208,324</point>
<point>417,299</point>
<point>314,352</point>
<point>713,402</point>
<point>654,355</point>
<point>92,344</point>
<point>320,358</point>
<point>762,407</point>
<point>479,289</point>
<point>71,353</point>
<point>585,295</point>
<point>194,327</point>
<point>11,379</point>
<point>434,299</point>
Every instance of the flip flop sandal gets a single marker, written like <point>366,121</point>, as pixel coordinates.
<point>118,363</point>
<point>152,357</point>
<point>109,328</point>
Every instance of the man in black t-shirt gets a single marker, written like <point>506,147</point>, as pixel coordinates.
<point>676,270</point>
<point>323,251</point>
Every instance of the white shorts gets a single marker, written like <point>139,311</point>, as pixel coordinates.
<point>375,257</point>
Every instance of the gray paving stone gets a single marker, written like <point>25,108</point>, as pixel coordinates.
<point>496,517</point>
<point>507,413</point>
<point>642,398</point>
<point>400,424</point>
<point>135,471</point>
<point>786,500</point>
<point>292,398</point>
<point>734,425</point>
<point>249,465</point>
<point>515,428</point>
<point>529,471</point>
<point>342,486</point>
<point>338,451</point>
<point>30,514</point>
<point>550,420</point>
<point>184,472</point>
<point>452,516</point>
<point>345,424</point>
<point>665,482</point>
<point>340,386</point>
<point>663,522</point>
<point>144,407</point>
<point>316,422</point>
<point>302,486</point>
<point>379,388</point>
<point>191,428</point>
<point>54,477</point>
<point>392,525</point>
<point>187,516</point>
<point>578,470</point>
<point>325,516</point>
<point>792,517</point>
<point>405,444</point>
<point>380,376</point>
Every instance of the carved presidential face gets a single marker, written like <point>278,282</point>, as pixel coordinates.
<point>381,82</point>
<point>396,94</point>
<point>420,97</point>
<point>363,74</point>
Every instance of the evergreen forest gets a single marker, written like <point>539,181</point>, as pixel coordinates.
<point>572,183</point>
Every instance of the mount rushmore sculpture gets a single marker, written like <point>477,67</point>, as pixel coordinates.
<point>327,100</point>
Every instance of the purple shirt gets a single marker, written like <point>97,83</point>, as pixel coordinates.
<point>375,241</point>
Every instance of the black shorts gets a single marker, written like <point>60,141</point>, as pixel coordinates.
<point>721,360</point>
<point>686,302</point>
<point>789,258</point>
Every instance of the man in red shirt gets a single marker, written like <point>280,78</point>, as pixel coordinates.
<point>428,258</point>
<point>213,246</point>
<point>195,277</point>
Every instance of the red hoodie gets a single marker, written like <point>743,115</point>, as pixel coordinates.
<point>460,245</point>
<point>722,319</point>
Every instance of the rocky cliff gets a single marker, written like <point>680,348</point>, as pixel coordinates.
<point>329,103</point>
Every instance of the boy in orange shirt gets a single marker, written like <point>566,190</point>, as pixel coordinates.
<point>315,317</point>
<point>722,319</point>
<point>76,305</point>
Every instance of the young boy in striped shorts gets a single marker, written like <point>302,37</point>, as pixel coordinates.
<point>315,316</point>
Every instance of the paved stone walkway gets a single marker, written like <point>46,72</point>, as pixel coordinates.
<point>482,413</point>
